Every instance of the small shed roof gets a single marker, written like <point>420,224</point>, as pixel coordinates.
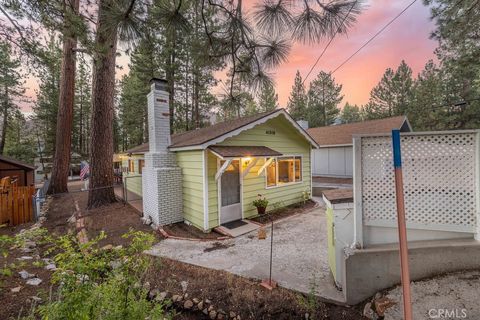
<point>244,151</point>
<point>342,134</point>
<point>16,162</point>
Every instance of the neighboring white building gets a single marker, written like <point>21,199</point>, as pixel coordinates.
<point>335,156</point>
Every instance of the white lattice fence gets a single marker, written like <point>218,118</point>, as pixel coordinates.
<point>440,180</point>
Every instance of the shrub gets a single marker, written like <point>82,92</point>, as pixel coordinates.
<point>260,202</point>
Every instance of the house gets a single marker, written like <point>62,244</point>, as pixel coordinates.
<point>210,176</point>
<point>23,172</point>
<point>334,158</point>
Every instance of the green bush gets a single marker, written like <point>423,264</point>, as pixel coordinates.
<point>96,283</point>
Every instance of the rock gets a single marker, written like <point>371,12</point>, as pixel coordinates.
<point>25,274</point>
<point>232,314</point>
<point>34,281</point>
<point>238,317</point>
<point>188,304</point>
<point>118,247</point>
<point>16,289</point>
<point>29,244</point>
<point>25,258</point>
<point>195,300</point>
<point>220,316</point>
<point>368,311</point>
<point>176,298</point>
<point>200,305</point>
<point>184,285</point>
<point>307,316</point>
<point>382,304</point>
<point>27,250</point>
<point>152,294</point>
<point>205,311</point>
<point>107,247</point>
<point>47,260</point>
<point>162,296</point>
<point>212,314</point>
<point>51,267</point>
<point>185,296</point>
<point>377,296</point>
<point>210,308</point>
<point>36,299</point>
<point>207,301</point>
<point>115,264</point>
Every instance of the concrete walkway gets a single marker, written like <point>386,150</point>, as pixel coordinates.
<point>299,255</point>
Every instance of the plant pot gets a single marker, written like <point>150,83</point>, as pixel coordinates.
<point>261,210</point>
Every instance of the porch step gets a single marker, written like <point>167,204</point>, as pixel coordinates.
<point>238,231</point>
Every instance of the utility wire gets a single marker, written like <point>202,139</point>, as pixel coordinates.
<point>372,38</point>
<point>329,42</point>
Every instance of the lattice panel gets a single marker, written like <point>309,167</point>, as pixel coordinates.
<point>439,179</point>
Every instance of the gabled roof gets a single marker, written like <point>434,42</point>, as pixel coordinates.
<point>16,162</point>
<point>341,134</point>
<point>202,138</point>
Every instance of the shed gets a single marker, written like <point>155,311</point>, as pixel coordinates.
<point>334,158</point>
<point>24,172</point>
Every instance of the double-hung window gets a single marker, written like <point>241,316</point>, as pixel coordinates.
<point>284,170</point>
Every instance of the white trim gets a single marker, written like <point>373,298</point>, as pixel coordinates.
<point>265,165</point>
<point>216,154</point>
<point>357,193</point>
<point>205,190</point>
<point>222,169</point>
<point>219,189</point>
<point>236,132</point>
<point>421,226</point>
<point>249,167</point>
<point>277,185</point>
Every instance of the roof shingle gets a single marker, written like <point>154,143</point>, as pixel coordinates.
<point>342,134</point>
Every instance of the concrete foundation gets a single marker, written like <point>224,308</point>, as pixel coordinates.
<point>368,271</point>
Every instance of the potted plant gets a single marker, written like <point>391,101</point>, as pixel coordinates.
<point>261,203</point>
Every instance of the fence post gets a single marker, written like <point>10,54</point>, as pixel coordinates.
<point>357,193</point>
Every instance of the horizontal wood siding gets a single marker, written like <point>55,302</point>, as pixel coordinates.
<point>286,140</point>
<point>133,180</point>
<point>191,163</point>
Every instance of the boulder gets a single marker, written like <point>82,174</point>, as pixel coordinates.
<point>188,304</point>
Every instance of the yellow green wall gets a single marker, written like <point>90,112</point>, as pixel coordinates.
<point>133,180</point>
<point>191,163</point>
<point>287,141</point>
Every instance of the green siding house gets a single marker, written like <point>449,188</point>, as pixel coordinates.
<point>225,167</point>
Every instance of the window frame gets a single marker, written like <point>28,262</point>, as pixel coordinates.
<point>277,185</point>
<point>140,167</point>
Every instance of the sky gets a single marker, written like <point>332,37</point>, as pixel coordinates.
<point>406,39</point>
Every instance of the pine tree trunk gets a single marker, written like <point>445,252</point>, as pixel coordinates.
<point>103,91</point>
<point>5,123</point>
<point>63,141</point>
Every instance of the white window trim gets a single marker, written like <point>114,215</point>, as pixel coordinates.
<point>277,185</point>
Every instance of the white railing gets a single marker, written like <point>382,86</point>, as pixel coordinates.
<point>441,181</point>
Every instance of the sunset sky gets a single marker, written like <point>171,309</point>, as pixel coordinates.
<point>407,38</point>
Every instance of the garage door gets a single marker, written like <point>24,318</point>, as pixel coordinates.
<point>334,162</point>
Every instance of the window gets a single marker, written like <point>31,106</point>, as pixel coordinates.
<point>141,164</point>
<point>131,166</point>
<point>284,170</point>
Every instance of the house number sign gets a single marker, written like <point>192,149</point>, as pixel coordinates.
<point>272,132</point>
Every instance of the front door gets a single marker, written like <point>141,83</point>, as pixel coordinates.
<point>230,206</point>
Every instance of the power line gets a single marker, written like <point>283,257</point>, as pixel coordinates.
<point>372,38</point>
<point>329,42</point>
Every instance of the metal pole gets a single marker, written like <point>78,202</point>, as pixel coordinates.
<point>271,254</point>
<point>402,229</point>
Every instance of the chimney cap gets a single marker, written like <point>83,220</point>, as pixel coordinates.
<point>160,84</point>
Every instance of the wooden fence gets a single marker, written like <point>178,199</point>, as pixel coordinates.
<point>16,203</point>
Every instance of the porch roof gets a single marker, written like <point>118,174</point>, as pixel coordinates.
<point>243,151</point>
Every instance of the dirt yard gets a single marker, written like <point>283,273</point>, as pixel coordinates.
<point>274,215</point>
<point>225,290</point>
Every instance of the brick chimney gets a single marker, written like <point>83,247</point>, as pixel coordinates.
<point>161,177</point>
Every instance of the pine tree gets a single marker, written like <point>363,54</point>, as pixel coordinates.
<point>10,89</point>
<point>350,113</point>
<point>268,99</point>
<point>393,94</point>
<point>82,114</point>
<point>297,102</point>
<point>324,95</point>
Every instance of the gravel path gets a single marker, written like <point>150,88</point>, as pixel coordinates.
<point>299,254</point>
<point>454,296</point>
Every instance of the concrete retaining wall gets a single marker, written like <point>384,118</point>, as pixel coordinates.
<point>368,271</point>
